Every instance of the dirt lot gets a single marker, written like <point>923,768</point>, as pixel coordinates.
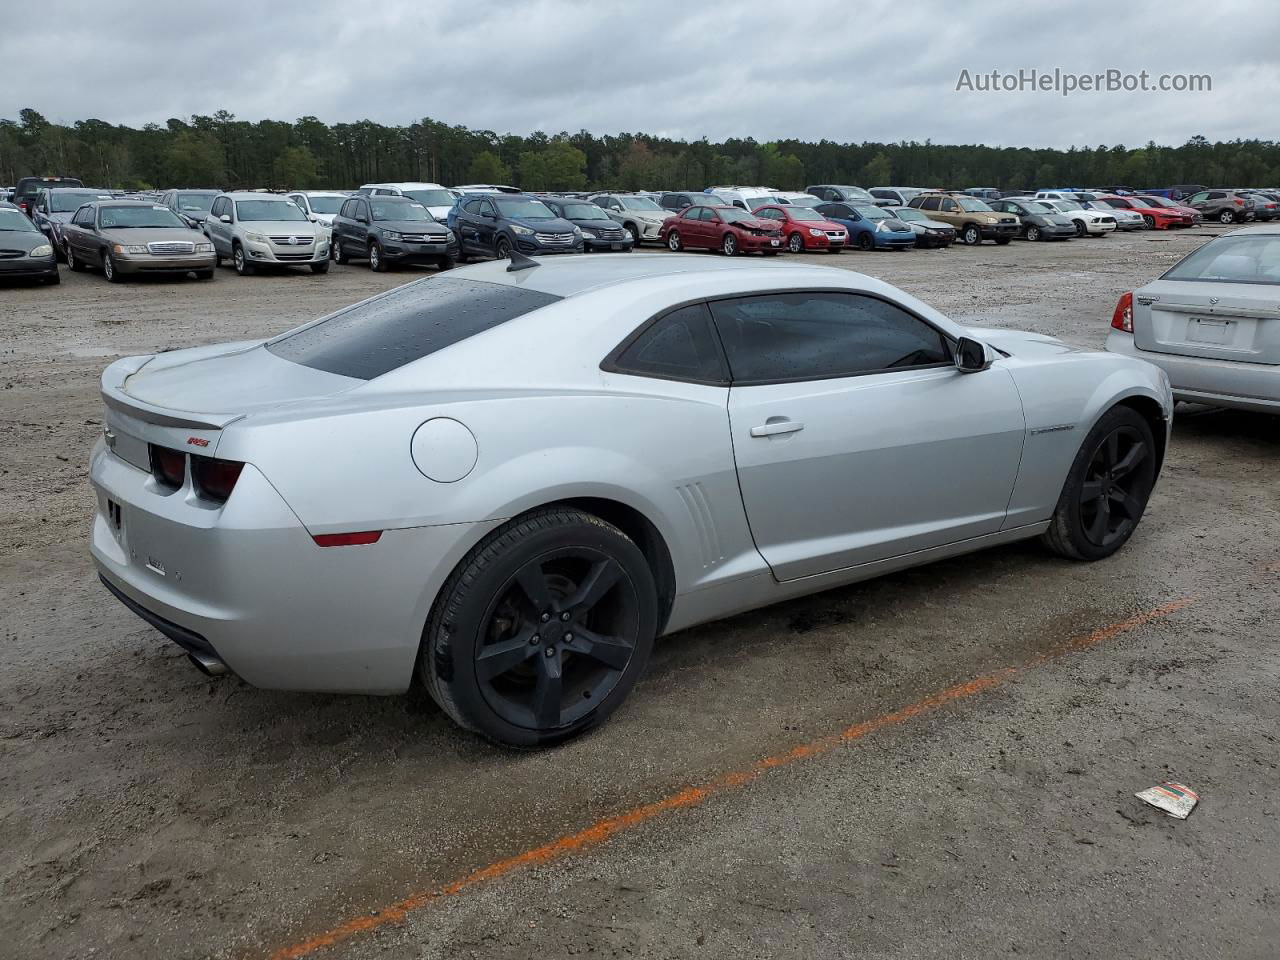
<point>969,734</point>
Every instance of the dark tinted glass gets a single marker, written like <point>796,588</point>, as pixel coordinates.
<point>679,346</point>
<point>410,322</point>
<point>810,336</point>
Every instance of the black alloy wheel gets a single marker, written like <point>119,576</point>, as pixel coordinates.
<point>1107,489</point>
<point>542,630</point>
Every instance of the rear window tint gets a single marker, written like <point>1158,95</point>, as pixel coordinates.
<point>406,324</point>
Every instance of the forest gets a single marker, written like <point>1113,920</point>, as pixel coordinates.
<point>226,152</point>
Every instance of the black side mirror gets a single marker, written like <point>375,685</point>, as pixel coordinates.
<point>971,356</point>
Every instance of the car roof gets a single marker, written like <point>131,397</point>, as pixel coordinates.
<point>404,184</point>
<point>569,276</point>
<point>255,195</point>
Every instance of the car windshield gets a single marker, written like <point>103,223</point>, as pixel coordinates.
<point>326,204</point>
<point>65,201</point>
<point>638,203</point>
<point>1155,201</point>
<point>257,210</point>
<point>972,205</point>
<point>155,216</point>
<point>196,202</point>
<point>388,209</point>
<point>1245,259</point>
<point>736,215</point>
<point>583,211</point>
<point>872,212</point>
<point>431,198</point>
<point>408,323</point>
<point>908,213</point>
<point>1099,205</point>
<point>523,209</point>
<point>802,201</point>
<point>11,221</point>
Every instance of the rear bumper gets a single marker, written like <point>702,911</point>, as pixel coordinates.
<point>247,582</point>
<point>1220,383</point>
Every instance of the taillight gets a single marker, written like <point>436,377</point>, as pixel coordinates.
<point>346,539</point>
<point>169,467</point>
<point>1122,318</point>
<point>1237,201</point>
<point>214,479</point>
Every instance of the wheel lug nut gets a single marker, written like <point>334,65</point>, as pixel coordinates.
<point>565,615</point>
<point>535,639</point>
<point>546,617</point>
<point>551,651</point>
<point>568,638</point>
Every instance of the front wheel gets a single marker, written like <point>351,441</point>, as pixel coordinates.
<point>971,236</point>
<point>1226,216</point>
<point>1149,220</point>
<point>1033,233</point>
<point>109,269</point>
<point>729,245</point>
<point>376,263</point>
<point>795,243</point>
<point>1107,488</point>
<point>336,253</point>
<point>240,261</point>
<point>502,249</point>
<point>632,229</point>
<point>866,242</point>
<point>1079,228</point>
<point>673,241</point>
<point>542,630</point>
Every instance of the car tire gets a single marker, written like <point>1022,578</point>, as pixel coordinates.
<point>795,243</point>
<point>1226,216</point>
<point>1079,228</point>
<point>1032,232</point>
<point>1116,464</point>
<point>109,268</point>
<point>376,263</point>
<point>502,248</point>
<point>508,653</point>
<point>336,252</point>
<point>866,242</point>
<point>729,245</point>
<point>204,274</point>
<point>1149,220</point>
<point>673,241</point>
<point>320,267</point>
<point>971,236</point>
<point>632,229</point>
<point>240,261</point>
<point>74,262</point>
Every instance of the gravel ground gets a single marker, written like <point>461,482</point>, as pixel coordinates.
<point>146,811</point>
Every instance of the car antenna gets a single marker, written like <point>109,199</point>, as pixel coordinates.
<point>520,262</point>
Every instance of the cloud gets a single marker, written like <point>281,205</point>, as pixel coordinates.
<point>873,70</point>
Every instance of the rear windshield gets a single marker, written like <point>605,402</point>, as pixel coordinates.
<point>406,324</point>
<point>66,201</point>
<point>1248,259</point>
<point>29,188</point>
<point>431,198</point>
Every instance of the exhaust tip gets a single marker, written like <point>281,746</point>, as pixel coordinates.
<point>209,666</point>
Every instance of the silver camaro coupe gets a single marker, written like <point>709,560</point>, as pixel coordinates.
<point>512,478</point>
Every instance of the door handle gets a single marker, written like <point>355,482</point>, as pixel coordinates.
<point>775,426</point>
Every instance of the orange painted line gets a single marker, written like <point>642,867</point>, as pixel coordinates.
<point>602,830</point>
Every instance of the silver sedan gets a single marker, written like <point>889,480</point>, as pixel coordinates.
<point>512,478</point>
<point>1212,322</point>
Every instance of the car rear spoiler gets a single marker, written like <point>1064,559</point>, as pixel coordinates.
<point>113,395</point>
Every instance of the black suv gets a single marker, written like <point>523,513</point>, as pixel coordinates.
<point>390,230</point>
<point>599,230</point>
<point>24,194</point>
<point>495,224</point>
<point>679,199</point>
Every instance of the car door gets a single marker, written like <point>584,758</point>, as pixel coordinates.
<point>855,436</point>
<point>487,225</point>
<point>360,227</point>
<point>215,229</point>
<point>73,234</point>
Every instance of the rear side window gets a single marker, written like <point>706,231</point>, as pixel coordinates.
<point>407,324</point>
<point>817,336</point>
<point>678,346</point>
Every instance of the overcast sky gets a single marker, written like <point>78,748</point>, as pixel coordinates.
<point>840,70</point>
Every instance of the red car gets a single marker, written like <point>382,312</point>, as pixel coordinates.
<point>1157,218</point>
<point>1191,212</point>
<point>806,228</point>
<point>727,229</point>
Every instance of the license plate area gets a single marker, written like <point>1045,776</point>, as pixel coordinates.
<point>1209,330</point>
